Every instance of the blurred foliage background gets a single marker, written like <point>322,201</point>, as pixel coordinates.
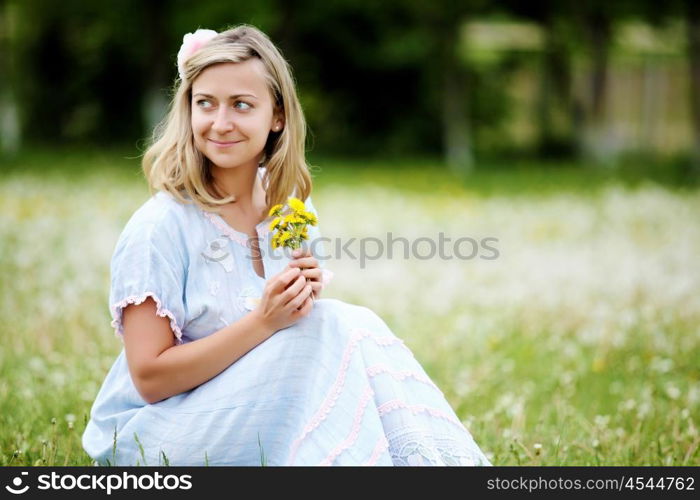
<point>462,81</point>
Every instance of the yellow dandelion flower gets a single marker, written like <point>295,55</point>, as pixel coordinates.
<point>291,228</point>
<point>275,211</point>
<point>309,217</point>
<point>275,223</point>
<point>293,219</point>
<point>296,204</point>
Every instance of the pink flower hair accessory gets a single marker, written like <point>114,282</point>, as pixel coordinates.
<point>191,43</point>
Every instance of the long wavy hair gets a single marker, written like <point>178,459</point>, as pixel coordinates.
<point>172,163</point>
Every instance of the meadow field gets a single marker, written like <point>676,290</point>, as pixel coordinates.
<point>579,344</point>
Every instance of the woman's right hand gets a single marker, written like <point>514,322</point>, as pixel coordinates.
<point>285,300</point>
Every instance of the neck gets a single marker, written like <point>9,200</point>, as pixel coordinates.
<point>241,182</point>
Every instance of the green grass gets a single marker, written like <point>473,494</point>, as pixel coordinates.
<point>579,346</point>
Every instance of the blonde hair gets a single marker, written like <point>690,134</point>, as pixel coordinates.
<point>172,163</point>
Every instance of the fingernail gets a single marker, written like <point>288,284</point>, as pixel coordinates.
<point>296,253</point>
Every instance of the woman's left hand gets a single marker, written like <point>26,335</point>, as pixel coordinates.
<point>304,260</point>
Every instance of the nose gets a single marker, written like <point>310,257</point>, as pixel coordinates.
<point>222,121</point>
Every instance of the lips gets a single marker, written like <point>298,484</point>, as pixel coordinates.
<point>224,143</point>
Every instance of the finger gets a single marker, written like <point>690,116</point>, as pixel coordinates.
<point>301,252</point>
<point>298,301</point>
<point>316,287</point>
<point>284,279</point>
<point>293,290</point>
<point>306,308</point>
<point>304,262</point>
<point>312,274</point>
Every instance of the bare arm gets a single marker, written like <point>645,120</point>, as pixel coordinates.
<point>161,369</point>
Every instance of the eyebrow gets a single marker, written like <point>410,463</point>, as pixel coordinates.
<point>230,97</point>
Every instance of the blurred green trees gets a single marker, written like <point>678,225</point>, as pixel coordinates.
<point>588,79</point>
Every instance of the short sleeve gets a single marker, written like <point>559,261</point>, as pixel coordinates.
<point>148,262</point>
<point>318,244</point>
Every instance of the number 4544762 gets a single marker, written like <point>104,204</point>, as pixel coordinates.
<point>662,483</point>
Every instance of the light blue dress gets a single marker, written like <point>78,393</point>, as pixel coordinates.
<point>336,388</point>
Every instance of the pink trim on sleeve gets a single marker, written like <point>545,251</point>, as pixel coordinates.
<point>117,309</point>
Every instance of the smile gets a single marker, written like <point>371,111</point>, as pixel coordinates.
<point>223,144</point>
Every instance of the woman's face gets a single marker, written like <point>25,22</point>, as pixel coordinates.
<point>232,113</point>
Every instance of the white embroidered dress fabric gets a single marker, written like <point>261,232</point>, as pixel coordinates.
<point>336,388</point>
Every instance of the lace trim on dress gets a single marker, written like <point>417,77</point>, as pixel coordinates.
<point>450,448</point>
<point>225,229</point>
<point>336,389</point>
<point>354,431</point>
<point>136,300</point>
<point>381,446</point>
<point>401,375</point>
<point>450,455</point>
<point>412,447</point>
<point>396,404</point>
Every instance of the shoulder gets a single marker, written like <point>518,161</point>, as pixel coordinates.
<point>161,217</point>
<point>161,208</point>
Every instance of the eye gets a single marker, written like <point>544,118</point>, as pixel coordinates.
<point>201,103</point>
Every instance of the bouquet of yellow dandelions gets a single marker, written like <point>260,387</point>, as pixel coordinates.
<point>291,224</point>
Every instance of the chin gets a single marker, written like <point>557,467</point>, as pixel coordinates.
<point>228,161</point>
